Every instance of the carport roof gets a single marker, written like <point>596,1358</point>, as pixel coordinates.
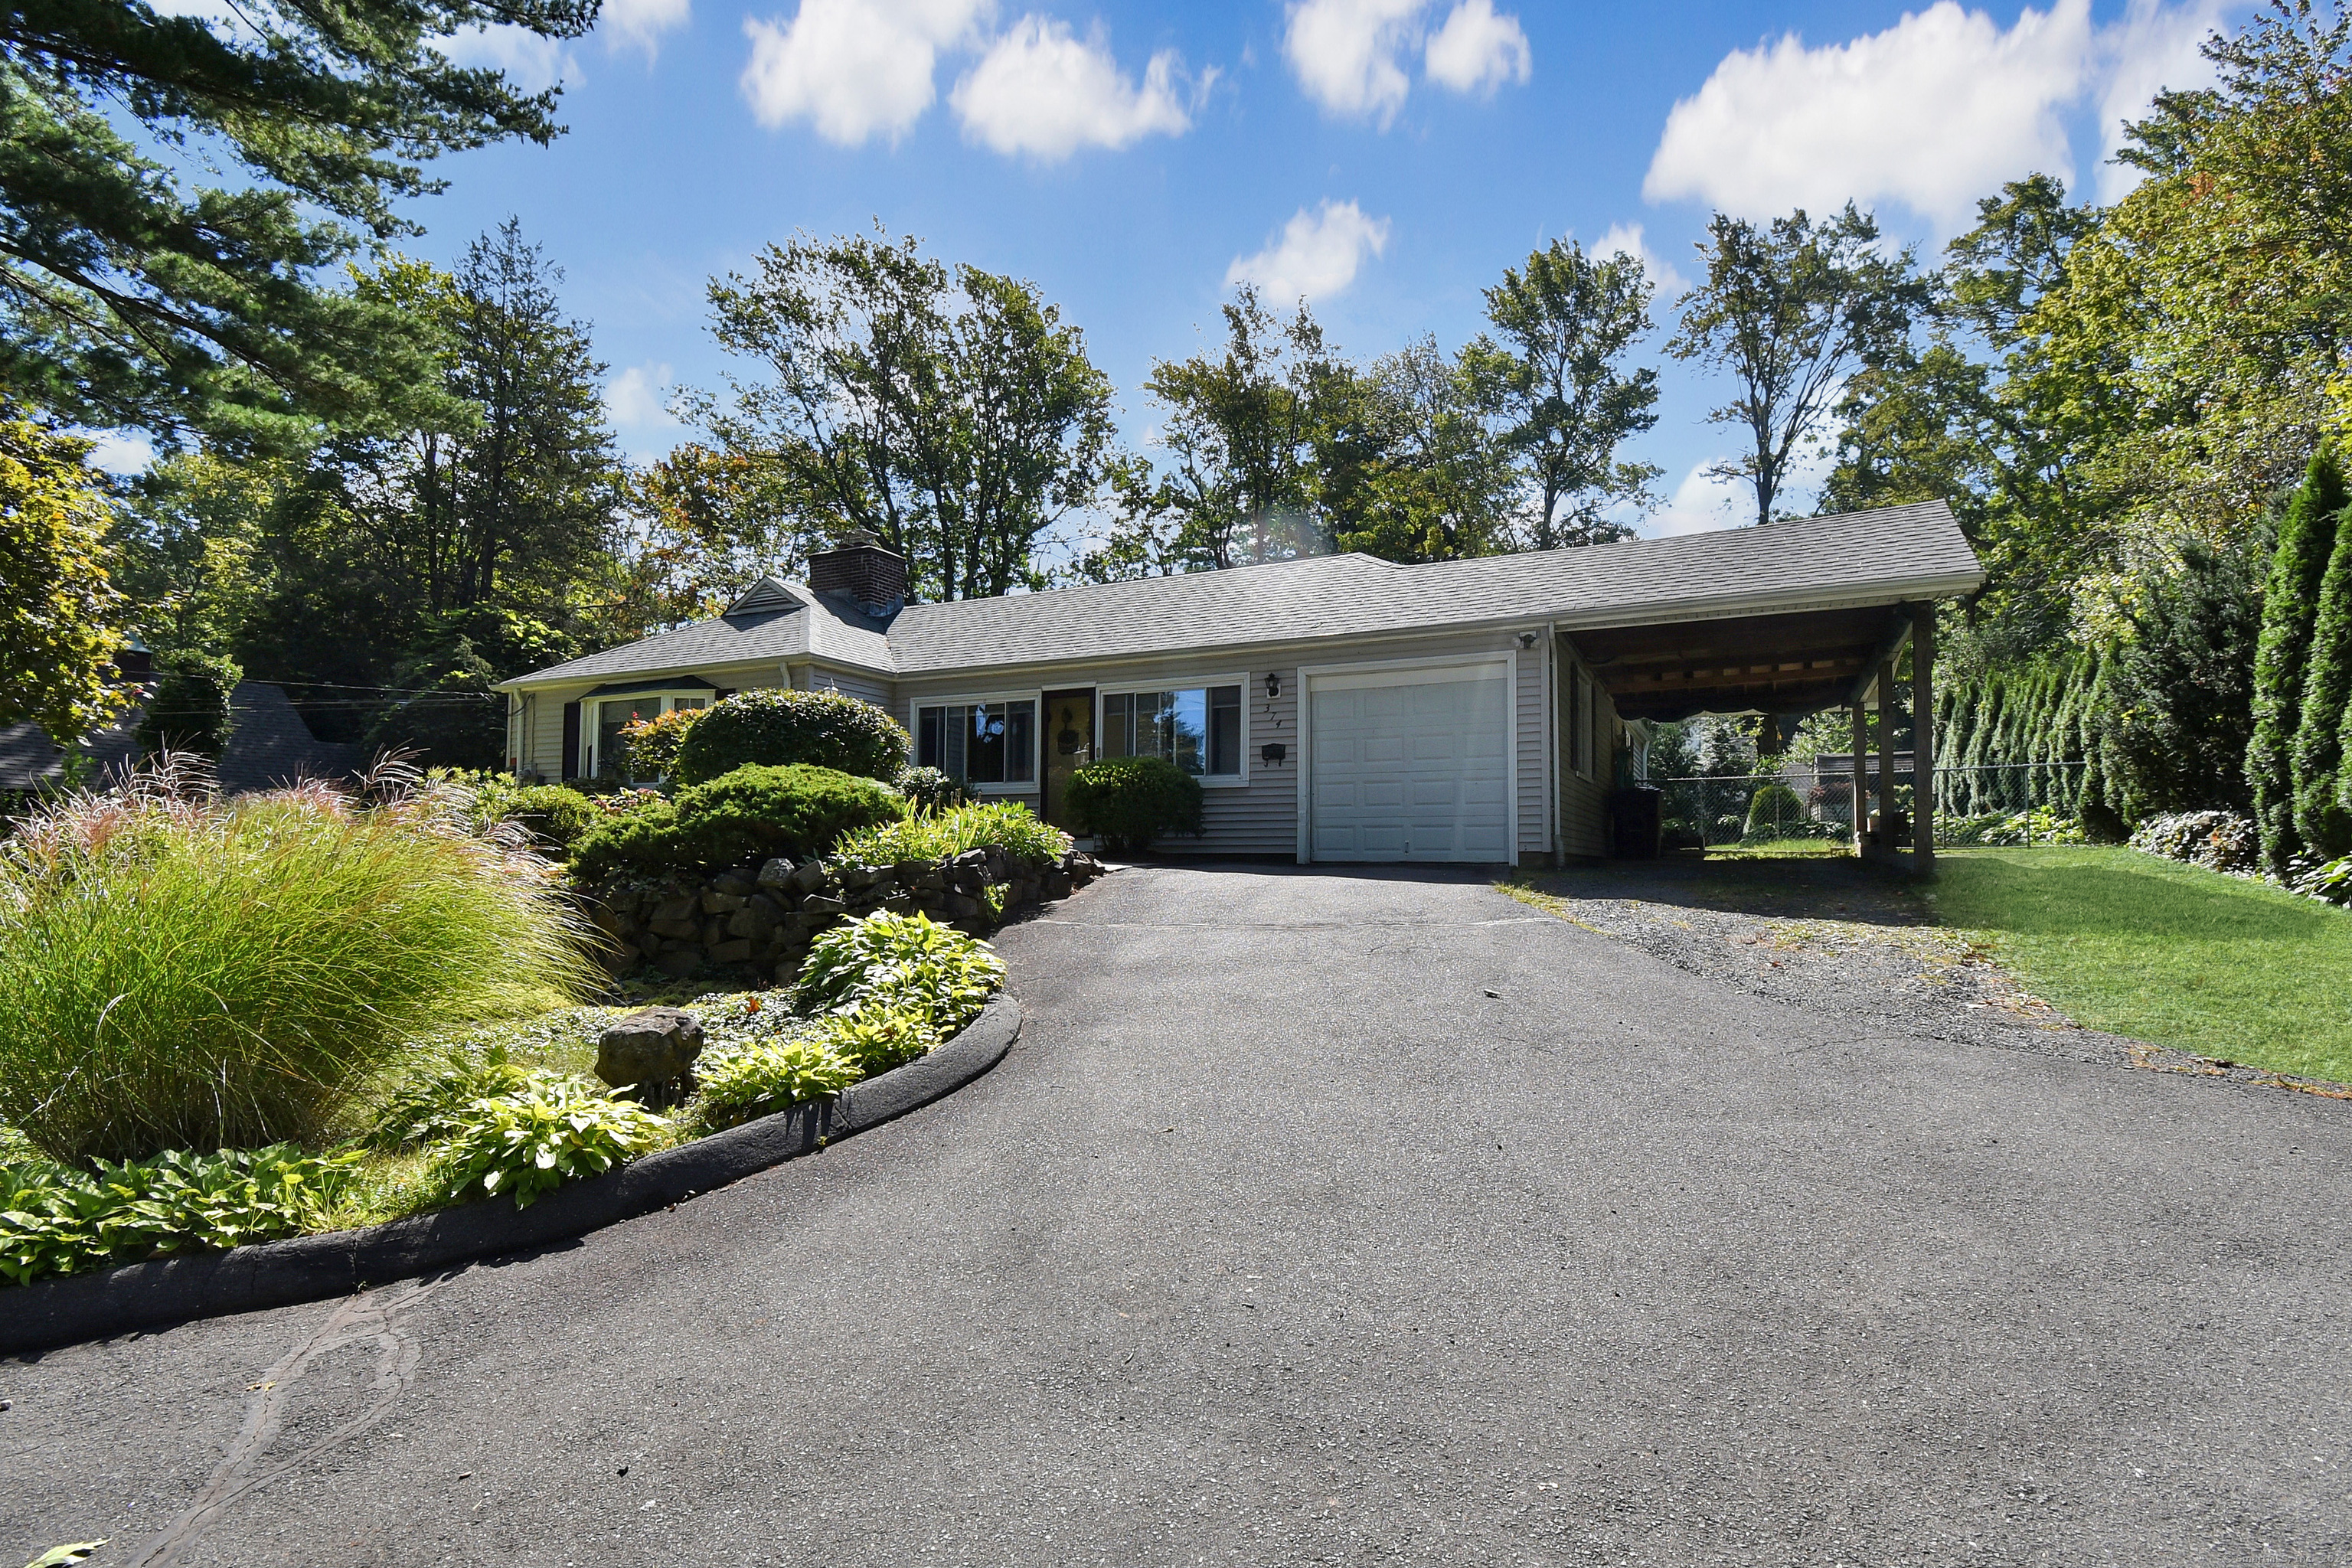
<point>1894,554</point>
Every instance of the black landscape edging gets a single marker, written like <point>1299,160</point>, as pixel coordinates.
<point>53,1312</point>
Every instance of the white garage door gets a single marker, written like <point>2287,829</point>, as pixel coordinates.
<point>1410,766</point>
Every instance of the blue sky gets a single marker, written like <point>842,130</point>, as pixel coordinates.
<point>1388,157</point>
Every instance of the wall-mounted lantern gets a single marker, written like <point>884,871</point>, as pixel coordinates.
<point>1273,686</point>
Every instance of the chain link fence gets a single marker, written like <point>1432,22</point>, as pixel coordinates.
<point>1815,801</point>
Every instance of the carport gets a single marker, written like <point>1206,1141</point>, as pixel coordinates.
<point>1790,665</point>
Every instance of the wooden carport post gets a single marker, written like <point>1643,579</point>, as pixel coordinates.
<point>1923,738</point>
<point>1861,761</point>
<point>1886,755</point>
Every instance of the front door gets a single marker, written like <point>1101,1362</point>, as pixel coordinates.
<point>1069,741</point>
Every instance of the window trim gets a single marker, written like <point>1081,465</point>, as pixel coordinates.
<point>1033,696</point>
<point>593,722</point>
<point>1186,683</point>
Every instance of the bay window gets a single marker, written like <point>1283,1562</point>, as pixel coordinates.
<point>979,742</point>
<point>1198,728</point>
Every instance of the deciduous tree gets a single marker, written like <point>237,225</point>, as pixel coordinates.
<point>1558,381</point>
<point>1789,311</point>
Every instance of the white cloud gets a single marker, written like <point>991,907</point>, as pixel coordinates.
<point>2151,47</point>
<point>533,63</point>
<point>1625,239</point>
<point>851,68</point>
<point>1700,504</point>
<point>1706,502</point>
<point>635,400</point>
<point>639,23</point>
<point>1934,112</point>
<point>1478,51</point>
<point>1040,89</point>
<point>1349,54</point>
<point>1317,256</point>
<point>1345,53</point>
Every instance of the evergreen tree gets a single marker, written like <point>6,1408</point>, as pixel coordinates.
<point>2290,607</point>
<point>131,295</point>
<point>2317,762</point>
<point>2182,708</point>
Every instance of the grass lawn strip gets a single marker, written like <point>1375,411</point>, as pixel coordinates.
<point>2222,966</point>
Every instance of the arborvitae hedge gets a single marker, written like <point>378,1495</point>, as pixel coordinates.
<point>2317,762</point>
<point>2290,606</point>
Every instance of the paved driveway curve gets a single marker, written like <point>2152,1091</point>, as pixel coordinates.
<point>1328,1219</point>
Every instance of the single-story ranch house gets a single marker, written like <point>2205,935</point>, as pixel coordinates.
<point>1334,708</point>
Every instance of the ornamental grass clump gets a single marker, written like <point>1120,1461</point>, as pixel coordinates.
<point>178,971</point>
<point>936,836</point>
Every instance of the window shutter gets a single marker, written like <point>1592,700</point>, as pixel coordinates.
<point>572,739</point>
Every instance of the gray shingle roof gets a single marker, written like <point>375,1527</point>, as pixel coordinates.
<point>1915,551</point>
<point>1897,550</point>
<point>818,626</point>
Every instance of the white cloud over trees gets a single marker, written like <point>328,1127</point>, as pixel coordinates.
<point>1316,254</point>
<point>1043,92</point>
<point>1933,112</point>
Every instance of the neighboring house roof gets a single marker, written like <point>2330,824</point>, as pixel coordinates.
<point>1891,553</point>
<point>269,748</point>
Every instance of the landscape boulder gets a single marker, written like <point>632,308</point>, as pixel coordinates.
<point>654,1046</point>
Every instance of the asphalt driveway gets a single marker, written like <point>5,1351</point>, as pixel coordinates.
<point>1328,1219</point>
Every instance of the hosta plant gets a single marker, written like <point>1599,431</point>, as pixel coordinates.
<point>767,1074</point>
<point>430,1106</point>
<point>904,961</point>
<point>57,1220</point>
<point>527,1142</point>
<point>878,1034</point>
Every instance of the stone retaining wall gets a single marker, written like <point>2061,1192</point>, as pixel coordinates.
<point>765,917</point>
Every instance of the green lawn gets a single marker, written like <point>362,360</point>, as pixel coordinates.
<point>2165,952</point>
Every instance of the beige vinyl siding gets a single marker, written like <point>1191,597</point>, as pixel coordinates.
<point>863,686</point>
<point>1583,792</point>
<point>1533,726</point>
<point>1257,817</point>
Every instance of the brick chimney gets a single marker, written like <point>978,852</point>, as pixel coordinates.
<point>859,567</point>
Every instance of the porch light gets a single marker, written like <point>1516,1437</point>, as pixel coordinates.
<point>1273,686</point>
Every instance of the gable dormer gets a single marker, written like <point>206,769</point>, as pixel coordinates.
<point>763,597</point>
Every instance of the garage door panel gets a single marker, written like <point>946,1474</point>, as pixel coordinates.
<point>1413,770</point>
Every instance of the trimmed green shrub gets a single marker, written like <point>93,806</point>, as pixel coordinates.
<point>908,961</point>
<point>553,814</point>
<point>57,1220</point>
<point>929,789</point>
<point>1127,802</point>
<point>781,728</point>
<point>758,1077</point>
<point>2282,659</point>
<point>1008,824</point>
<point>1774,812</point>
<point>748,815</point>
<point>649,747</point>
<point>529,1141</point>
<point>178,971</point>
<point>193,708</point>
